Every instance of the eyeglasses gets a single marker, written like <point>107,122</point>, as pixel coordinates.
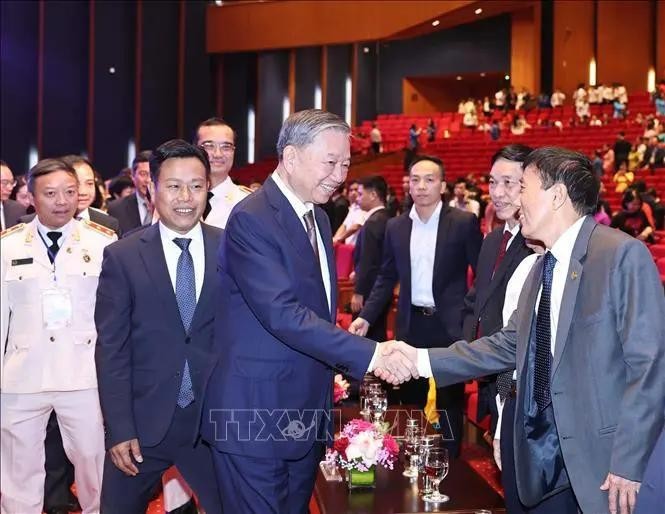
<point>210,146</point>
<point>7,183</point>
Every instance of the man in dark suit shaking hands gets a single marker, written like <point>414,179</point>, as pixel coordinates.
<point>154,315</point>
<point>267,410</point>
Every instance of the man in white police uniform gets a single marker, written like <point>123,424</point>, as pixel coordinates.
<point>218,140</point>
<point>49,269</point>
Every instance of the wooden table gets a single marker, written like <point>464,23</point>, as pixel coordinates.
<point>396,494</point>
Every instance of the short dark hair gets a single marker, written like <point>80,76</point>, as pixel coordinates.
<point>430,158</point>
<point>461,180</point>
<point>572,169</point>
<point>46,167</point>
<point>176,149</point>
<point>143,156</point>
<point>215,121</point>
<point>73,160</point>
<point>513,153</point>
<point>377,184</point>
<point>630,195</point>
<point>3,163</point>
<point>119,184</point>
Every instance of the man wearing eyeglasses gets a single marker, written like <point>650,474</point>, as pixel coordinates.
<point>218,140</point>
<point>10,211</point>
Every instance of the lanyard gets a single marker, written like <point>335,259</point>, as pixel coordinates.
<point>50,253</point>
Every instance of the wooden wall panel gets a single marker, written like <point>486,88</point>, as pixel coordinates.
<point>625,42</point>
<point>293,23</point>
<point>573,43</point>
<point>660,41</point>
<point>525,49</point>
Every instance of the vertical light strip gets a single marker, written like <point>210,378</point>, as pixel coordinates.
<point>286,108</point>
<point>651,80</point>
<point>33,156</point>
<point>347,99</point>
<point>317,97</point>
<point>592,72</point>
<point>131,152</point>
<point>251,134</point>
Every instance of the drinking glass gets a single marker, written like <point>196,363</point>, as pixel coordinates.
<point>378,404</point>
<point>412,439</point>
<point>364,393</point>
<point>436,468</point>
<point>427,442</point>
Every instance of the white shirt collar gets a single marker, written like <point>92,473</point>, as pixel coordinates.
<point>223,186</point>
<point>140,199</point>
<point>298,205</point>
<point>562,249</point>
<point>65,229</point>
<point>514,231</point>
<point>84,214</point>
<point>433,218</point>
<point>169,235</point>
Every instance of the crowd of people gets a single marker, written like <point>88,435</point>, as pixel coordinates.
<point>153,325</point>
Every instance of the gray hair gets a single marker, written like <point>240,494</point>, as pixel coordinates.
<point>302,127</point>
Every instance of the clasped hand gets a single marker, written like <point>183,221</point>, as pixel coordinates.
<point>396,362</point>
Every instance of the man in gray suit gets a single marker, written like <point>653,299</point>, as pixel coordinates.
<point>588,341</point>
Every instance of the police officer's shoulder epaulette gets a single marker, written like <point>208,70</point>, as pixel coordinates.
<point>245,189</point>
<point>12,230</point>
<point>98,228</point>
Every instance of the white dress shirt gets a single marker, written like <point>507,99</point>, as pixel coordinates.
<point>355,216</point>
<point>469,205</point>
<point>172,253</point>
<point>3,225</point>
<point>143,207</point>
<point>301,209</point>
<point>65,230</point>
<point>562,250</point>
<point>226,195</point>
<point>422,248</point>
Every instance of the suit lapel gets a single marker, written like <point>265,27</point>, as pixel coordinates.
<point>570,290</point>
<point>512,253</point>
<point>441,235</point>
<point>326,237</point>
<point>527,308</point>
<point>210,247</point>
<point>152,254</point>
<point>296,234</point>
<point>133,211</point>
<point>403,244</point>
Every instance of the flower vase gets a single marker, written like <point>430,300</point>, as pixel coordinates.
<point>362,479</point>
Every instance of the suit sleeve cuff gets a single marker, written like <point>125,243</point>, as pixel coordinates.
<point>374,355</point>
<point>423,363</point>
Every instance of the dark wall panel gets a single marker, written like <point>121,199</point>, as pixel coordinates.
<point>198,75</point>
<point>113,106</point>
<point>18,84</point>
<point>366,91</point>
<point>482,46</point>
<point>339,67</point>
<point>273,80</point>
<point>239,95</point>
<point>65,77</point>
<point>308,76</point>
<point>159,86</point>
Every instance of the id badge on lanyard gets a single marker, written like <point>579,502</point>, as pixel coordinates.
<point>56,308</point>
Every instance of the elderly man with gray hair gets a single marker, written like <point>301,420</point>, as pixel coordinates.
<point>267,408</point>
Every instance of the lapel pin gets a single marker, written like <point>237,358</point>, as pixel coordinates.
<point>86,257</point>
<point>69,249</point>
<point>573,275</point>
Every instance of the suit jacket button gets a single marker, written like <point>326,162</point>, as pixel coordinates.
<point>52,339</point>
<point>177,373</point>
<point>188,340</point>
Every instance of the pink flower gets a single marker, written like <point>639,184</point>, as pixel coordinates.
<point>390,444</point>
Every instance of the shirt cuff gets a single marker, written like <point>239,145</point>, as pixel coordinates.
<point>371,363</point>
<point>423,363</point>
<point>499,408</point>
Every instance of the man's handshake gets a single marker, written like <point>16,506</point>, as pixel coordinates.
<point>396,362</point>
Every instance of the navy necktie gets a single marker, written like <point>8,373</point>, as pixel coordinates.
<point>54,248</point>
<point>541,384</point>
<point>185,292</point>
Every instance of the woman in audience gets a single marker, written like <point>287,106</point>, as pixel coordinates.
<point>601,216</point>
<point>431,130</point>
<point>631,219</point>
<point>21,195</point>
<point>608,159</point>
<point>623,178</point>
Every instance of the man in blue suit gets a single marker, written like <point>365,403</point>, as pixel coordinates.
<point>154,315</point>
<point>267,407</point>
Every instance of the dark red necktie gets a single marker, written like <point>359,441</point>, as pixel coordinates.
<point>502,250</point>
